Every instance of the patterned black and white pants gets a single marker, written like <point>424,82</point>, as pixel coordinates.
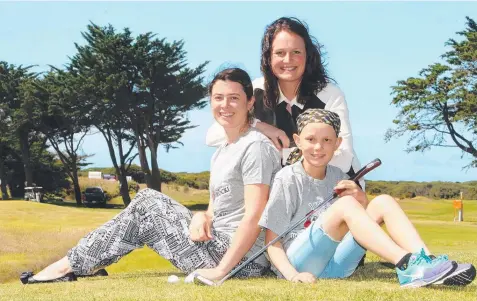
<point>161,223</point>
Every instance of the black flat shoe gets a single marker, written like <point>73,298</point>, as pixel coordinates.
<point>27,278</point>
<point>101,272</point>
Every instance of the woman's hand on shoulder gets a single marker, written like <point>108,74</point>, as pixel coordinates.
<point>278,137</point>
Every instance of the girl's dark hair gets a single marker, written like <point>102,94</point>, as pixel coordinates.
<point>315,77</point>
<point>239,76</point>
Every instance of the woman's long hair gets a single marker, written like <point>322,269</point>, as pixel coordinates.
<point>315,77</point>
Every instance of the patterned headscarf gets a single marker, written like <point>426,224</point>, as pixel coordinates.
<point>314,116</point>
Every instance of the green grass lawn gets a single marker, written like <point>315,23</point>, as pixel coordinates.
<point>33,235</point>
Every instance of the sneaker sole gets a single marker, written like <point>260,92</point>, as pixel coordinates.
<point>426,282</point>
<point>461,278</point>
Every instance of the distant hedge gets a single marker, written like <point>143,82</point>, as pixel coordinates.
<point>192,180</point>
<point>433,190</point>
<point>399,189</point>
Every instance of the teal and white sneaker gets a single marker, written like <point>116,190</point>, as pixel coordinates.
<point>422,270</point>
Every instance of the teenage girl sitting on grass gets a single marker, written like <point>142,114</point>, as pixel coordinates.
<point>333,244</point>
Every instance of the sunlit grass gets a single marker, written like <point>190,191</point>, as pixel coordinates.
<point>33,235</point>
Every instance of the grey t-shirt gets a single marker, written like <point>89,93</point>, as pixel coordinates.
<point>252,159</point>
<point>294,193</point>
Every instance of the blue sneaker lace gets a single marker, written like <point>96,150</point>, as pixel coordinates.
<point>442,257</point>
<point>422,256</point>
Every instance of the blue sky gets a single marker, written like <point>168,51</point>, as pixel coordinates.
<point>369,47</point>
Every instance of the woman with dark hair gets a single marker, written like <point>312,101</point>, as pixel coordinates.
<point>294,80</point>
<point>210,243</point>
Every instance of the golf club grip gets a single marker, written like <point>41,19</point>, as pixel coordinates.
<point>363,171</point>
<point>358,175</point>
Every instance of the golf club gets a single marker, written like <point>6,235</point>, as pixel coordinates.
<point>198,279</point>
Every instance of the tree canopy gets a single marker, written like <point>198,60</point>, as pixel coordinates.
<point>439,107</point>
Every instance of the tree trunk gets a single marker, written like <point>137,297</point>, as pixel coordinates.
<point>109,141</point>
<point>141,146</point>
<point>122,172</point>
<point>145,165</point>
<point>3,177</point>
<point>70,164</point>
<point>25,148</point>
<point>120,168</point>
<point>76,186</point>
<point>124,189</point>
<point>156,173</point>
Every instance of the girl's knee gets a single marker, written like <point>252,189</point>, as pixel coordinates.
<point>386,198</point>
<point>351,208</point>
<point>339,209</point>
<point>348,204</point>
<point>383,201</point>
<point>380,206</point>
<point>347,201</point>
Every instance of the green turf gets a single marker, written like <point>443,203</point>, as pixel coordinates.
<point>32,235</point>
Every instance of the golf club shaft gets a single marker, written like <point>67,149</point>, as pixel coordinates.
<point>370,166</point>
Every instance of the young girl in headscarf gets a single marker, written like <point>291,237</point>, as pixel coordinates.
<point>332,245</point>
